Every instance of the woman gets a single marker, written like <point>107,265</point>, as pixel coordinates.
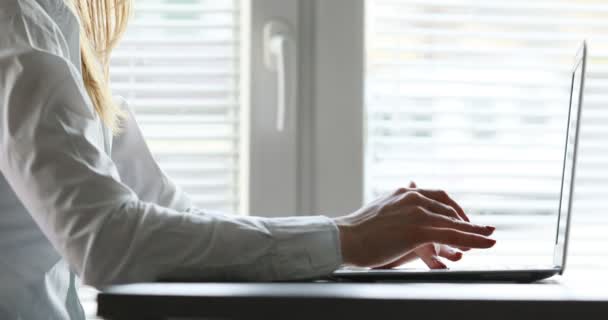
<point>81,194</point>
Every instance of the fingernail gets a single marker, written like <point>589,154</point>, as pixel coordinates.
<point>490,228</point>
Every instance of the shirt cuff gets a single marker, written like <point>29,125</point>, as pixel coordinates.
<point>304,247</point>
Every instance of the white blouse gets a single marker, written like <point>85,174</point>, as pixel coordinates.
<point>72,197</point>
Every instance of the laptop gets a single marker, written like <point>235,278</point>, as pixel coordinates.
<point>514,274</point>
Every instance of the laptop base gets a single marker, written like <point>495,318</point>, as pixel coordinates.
<point>521,276</point>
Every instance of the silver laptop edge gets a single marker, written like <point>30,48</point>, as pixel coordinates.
<point>562,237</point>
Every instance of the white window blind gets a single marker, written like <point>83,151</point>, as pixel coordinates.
<point>178,66</point>
<point>471,96</point>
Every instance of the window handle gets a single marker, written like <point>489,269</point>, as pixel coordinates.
<point>276,45</point>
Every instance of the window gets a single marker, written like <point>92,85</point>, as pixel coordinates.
<point>178,65</point>
<point>472,97</point>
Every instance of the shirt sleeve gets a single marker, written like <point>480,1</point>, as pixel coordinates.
<point>139,170</point>
<point>50,156</point>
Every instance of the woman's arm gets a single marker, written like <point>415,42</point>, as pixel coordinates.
<point>50,156</point>
<point>72,189</point>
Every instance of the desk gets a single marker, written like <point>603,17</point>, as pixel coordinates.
<point>557,298</point>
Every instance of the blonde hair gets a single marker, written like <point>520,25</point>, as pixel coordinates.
<point>102,23</point>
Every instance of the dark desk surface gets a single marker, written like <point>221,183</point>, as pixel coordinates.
<point>559,298</point>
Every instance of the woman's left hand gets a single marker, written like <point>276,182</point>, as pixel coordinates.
<point>429,254</point>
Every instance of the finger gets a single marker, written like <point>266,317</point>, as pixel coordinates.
<point>433,262</point>
<point>441,221</point>
<point>443,197</point>
<point>434,249</point>
<point>428,254</point>
<point>456,238</point>
<point>449,253</point>
<point>429,249</point>
<point>413,184</point>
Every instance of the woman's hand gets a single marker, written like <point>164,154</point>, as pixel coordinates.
<point>430,253</point>
<point>408,223</point>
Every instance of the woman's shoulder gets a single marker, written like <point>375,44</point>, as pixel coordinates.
<point>28,27</point>
<point>33,45</point>
<point>29,14</point>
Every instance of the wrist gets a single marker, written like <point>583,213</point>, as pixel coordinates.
<point>346,241</point>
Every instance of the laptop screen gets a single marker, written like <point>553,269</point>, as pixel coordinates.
<point>568,173</point>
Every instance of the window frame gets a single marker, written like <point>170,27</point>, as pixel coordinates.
<point>338,160</point>
<point>269,163</point>
<point>300,171</point>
